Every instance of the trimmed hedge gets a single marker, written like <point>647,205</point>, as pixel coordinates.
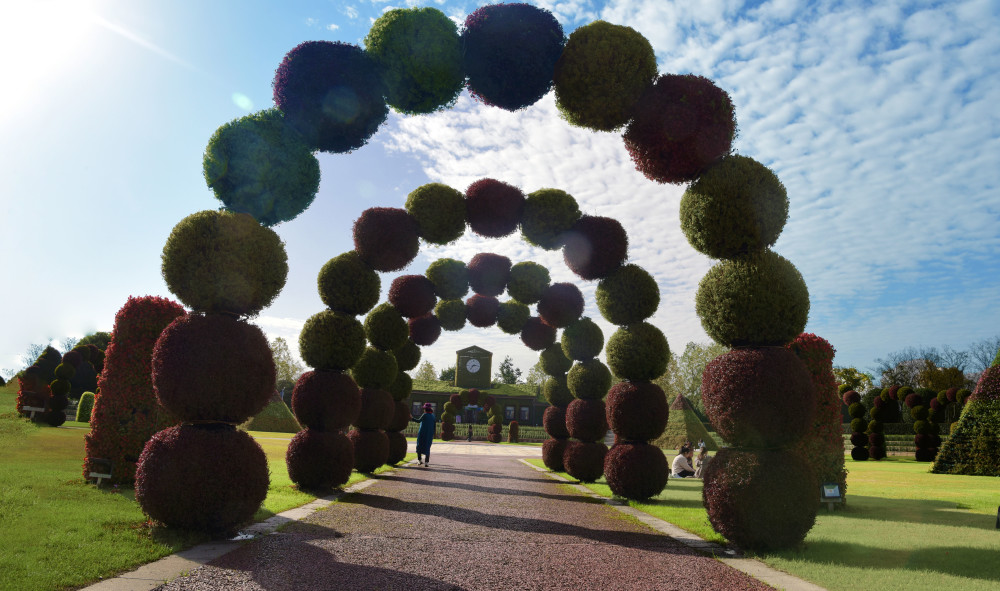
<point>627,295</point>
<point>638,352</point>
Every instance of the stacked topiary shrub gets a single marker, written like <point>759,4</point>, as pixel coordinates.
<point>555,364</point>
<point>452,409</point>
<point>859,426</point>
<point>34,386</point>
<point>925,438</point>
<point>513,429</point>
<point>494,421</point>
<point>974,445</point>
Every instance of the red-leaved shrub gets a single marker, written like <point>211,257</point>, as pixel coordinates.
<point>489,273</point>
<point>595,247</point>
<point>371,449</point>
<point>319,460</point>
<point>637,411</point>
<point>636,470</point>
<point>561,304</point>
<point>552,454</point>
<point>586,420</point>
<point>585,460</point>
<point>481,311</point>
<point>386,238</point>
<point>493,208</point>
<point>397,447</point>
<point>377,409</point>
<point>537,335</point>
<point>412,295</point>
<point>326,400</point>
<point>425,330</point>
<point>554,421</point>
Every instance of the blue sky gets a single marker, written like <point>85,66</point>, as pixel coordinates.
<point>880,118</point>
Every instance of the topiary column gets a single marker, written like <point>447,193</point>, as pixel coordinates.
<point>876,437</point>
<point>452,409</point>
<point>859,439</point>
<point>494,421</point>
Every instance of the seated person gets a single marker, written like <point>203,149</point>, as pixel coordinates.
<point>682,464</point>
<point>700,462</point>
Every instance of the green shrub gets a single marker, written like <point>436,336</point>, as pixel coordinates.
<point>401,387</point>
<point>346,284</point>
<point>407,356</point>
<point>375,369</point>
<point>554,362</point>
<point>856,410</point>
<point>858,425</point>
<point>875,427</point>
<point>451,314</point>
<point>528,282</point>
<point>582,340</point>
<point>512,316</point>
<point>556,391</point>
<point>447,418</point>
<point>439,211</point>
<point>450,408</point>
<point>628,295</point>
<point>85,406</point>
<point>385,327</point>
<point>638,352</point>
<point>919,412</point>
<point>589,380</point>
<point>450,278</point>
<point>843,388</point>
<point>331,340</point>
<point>548,215</point>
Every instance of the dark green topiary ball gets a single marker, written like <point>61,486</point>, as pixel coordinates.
<point>548,215</point>
<point>528,282</point>
<point>512,316</point>
<point>217,261</point>
<point>601,74</point>
<point>554,361</point>
<point>451,314</point>
<point>858,425</point>
<point>756,300</point>
<point>582,340</point>
<point>331,340</point>
<point>346,284</point>
<point>735,207</point>
<point>385,327</point>
<point>375,369</point>
<point>628,295</point>
<point>556,391</point>
<point>856,410</point>
<point>439,211</point>
<point>589,380</point>
<point>450,278</point>
<point>638,352</point>
<point>420,54</point>
<point>407,356</point>
<point>401,387</point>
<point>259,165</point>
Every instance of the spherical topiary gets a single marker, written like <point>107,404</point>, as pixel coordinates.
<point>451,408</point>
<point>216,261</point>
<point>627,295</point>
<point>527,282</point>
<point>424,330</point>
<point>556,391</point>
<point>489,273</point>
<point>681,126</point>
<point>636,471</point>
<point>386,238</point>
<point>346,284</point>
<point>473,396</point>
<point>856,410</point>
<point>875,438</point>
<point>72,358</point>
<point>58,402</point>
<point>548,215</point>
<point>385,327</point>
<point>637,411</point>
<point>54,418</point>
<point>875,427</point>
<point>413,295</point>
<point>736,206</point>
<point>401,387</point>
<point>510,53</point>
<point>589,379</point>
<point>319,460</point>
<point>585,460</point>
<point>851,397</point>
<point>925,455</point>
<point>554,421</point>
<point>879,413</point>
<point>213,367</point>
<point>586,420</point>
<point>397,448</point>
<point>537,335</point>
<point>552,454</point>
<point>451,314</point>
<point>602,72</point>
<point>439,212</point>
<point>760,299</point>
<point>554,362</point>
<point>759,397</point>
<point>377,409</point>
<point>59,388</point>
<point>331,93</point>
<point>595,247</point>
<point>919,412</point>
<point>858,439</point>
<point>876,452</point>
<point>375,369</point>
<point>859,425</point>
<point>493,208</point>
<point>400,416</point>
<point>561,304</point>
<point>512,316</point>
<point>760,499</point>
<point>371,449</point>
<point>962,395</point>
<point>482,310</point>
<point>859,454</point>
<point>448,418</point>
<point>64,371</point>
<point>450,278</point>
<point>226,467</point>
<point>902,393</point>
<point>407,356</point>
<point>420,55</point>
<point>942,397</point>
<point>326,400</point>
<point>638,352</point>
<point>331,340</point>
<point>582,340</point>
<point>258,164</point>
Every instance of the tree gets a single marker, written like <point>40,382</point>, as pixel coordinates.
<point>447,374</point>
<point>981,354</point>
<point>425,372</point>
<point>68,343</point>
<point>507,373</point>
<point>940,378</point>
<point>684,374</point>
<point>536,377</point>
<point>287,369</point>
<point>858,381</point>
<point>99,339</point>
<point>32,354</point>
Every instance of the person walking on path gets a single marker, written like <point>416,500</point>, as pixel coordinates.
<point>425,435</point>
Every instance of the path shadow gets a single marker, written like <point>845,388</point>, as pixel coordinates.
<point>959,561</point>
<point>486,489</point>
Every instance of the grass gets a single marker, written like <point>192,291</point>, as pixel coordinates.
<point>522,390</point>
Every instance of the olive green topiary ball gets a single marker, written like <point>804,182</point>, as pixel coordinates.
<point>554,361</point>
<point>638,352</point>
<point>582,340</point>
<point>548,215</point>
<point>512,316</point>
<point>451,314</point>
<point>756,300</point>
<point>375,369</point>
<point>589,380</point>
<point>331,340</point>
<point>556,391</point>
<point>407,356</point>
<point>346,284</point>
<point>528,282</point>
<point>439,211</point>
<point>217,261</point>
<point>735,207</point>
<point>401,387</point>
<point>628,295</point>
<point>450,278</point>
<point>385,327</point>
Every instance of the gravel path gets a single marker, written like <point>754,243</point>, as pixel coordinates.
<point>466,522</point>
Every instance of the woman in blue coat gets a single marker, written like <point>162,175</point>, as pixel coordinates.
<point>425,435</point>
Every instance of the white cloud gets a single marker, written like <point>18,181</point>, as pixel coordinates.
<point>332,27</point>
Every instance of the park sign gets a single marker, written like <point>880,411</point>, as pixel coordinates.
<point>473,368</point>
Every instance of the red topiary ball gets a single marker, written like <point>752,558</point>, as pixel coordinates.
<point>950,394</point>
<point>585,460</point>
<point>377,409</point>
<point>586,420</point>
<point>637,411</point>
<point>386,238</point>
<point>636,471</point>
<point>489,273</point>
<point>851,397</point>
<point>876,452</point>
<point>73,358</point>
<point>447,431</point>
<point>400,417</point>
<point>537,335</point>
<point>552,454</point>
<point>413,295</point>
<point>561,305</point>
<point>876,439</point>
<point>554,421</point>
<point>925,455</point>
<point>319,460</point>
<point>424,330</point>
<point>397,448</point>
<point>680,126</point>
<point>492,208</point>
<point>759,397</point>
<point>858,439</point>
<point>760,499</point>
<point>913,400</point>
<point>208,478</point>
<point>473,396</point>
<point>371,449</point>
<point>488,402</point>
<point>213,367</point>
<point>54,418</point>
<point>859,454</point>
<point>456,399</point>
<point>481,311</point>
<point>326,400</point>
<point>595,247</point>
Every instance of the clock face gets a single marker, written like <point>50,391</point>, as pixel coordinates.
<point>472,365</point>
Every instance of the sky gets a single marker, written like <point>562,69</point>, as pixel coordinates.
<point>880,118</point>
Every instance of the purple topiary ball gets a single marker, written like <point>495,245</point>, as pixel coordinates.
<point>319,460</point>
<point>858,439</point>
<point>561,305</point>
<point>595,247</point>
<point>424,330</point>
<point>554,421</point>
<point>326,400</point>
<point>552,454</point>
<point>371,449</point>
<point>637,411</point>
<point>493,208</point>
<point>412,295</point>
<point>636,471</point>
<point>537,335</point>
<point>851,397</point>
<point>386,238</point>
<point>859,454</point>
<point>587,420</point>
<point>876,452</point>
<point>397,448</point>
<point>481,311</point>
<point>400,417</point>
<point>377,409</point>
<point>489,273</point>
<point>585,461</point>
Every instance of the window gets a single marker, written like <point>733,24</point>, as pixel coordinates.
<point>508,413</point>
<point>415,410</point>
<point>525,413</point>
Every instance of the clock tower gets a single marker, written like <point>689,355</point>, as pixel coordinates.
<point>473,368</point>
